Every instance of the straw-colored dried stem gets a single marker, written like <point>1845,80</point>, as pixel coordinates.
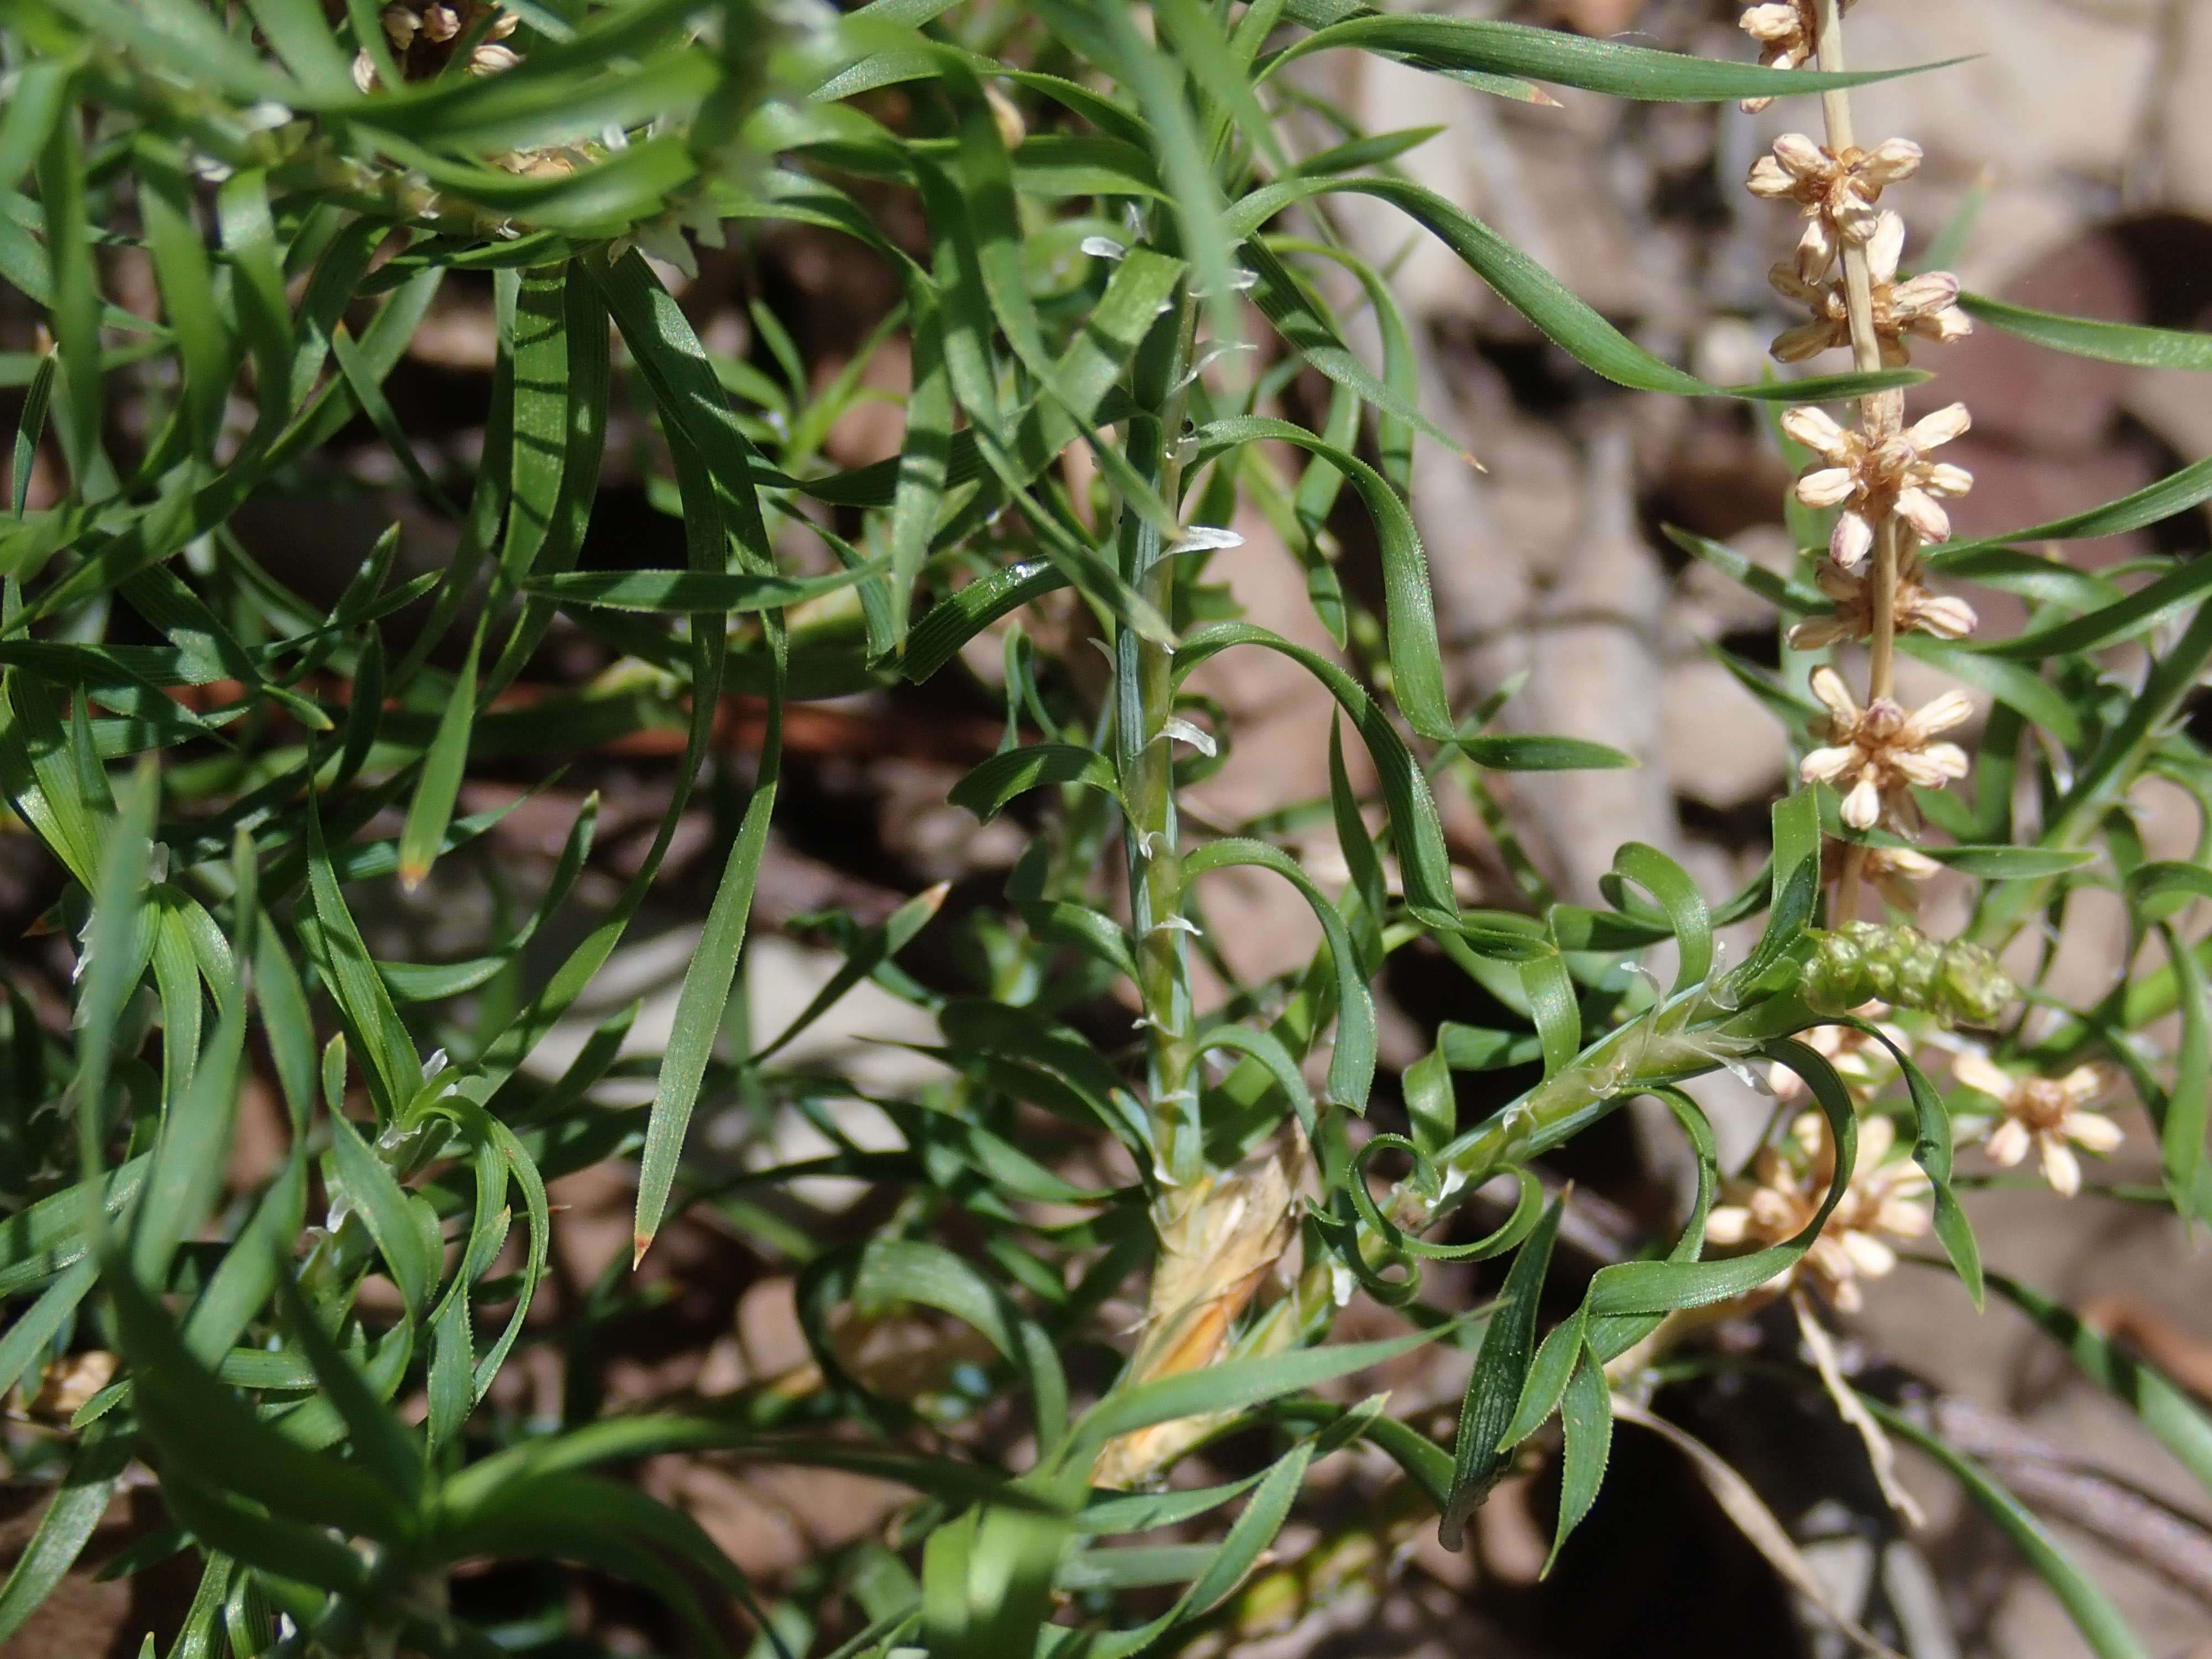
<point>1881,415</point>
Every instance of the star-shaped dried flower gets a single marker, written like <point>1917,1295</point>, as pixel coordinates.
<point>1837,191</point>
<point>1913,608</point>
<point>1888,1194</point>
<point>424,38</point>
<point>1876,754</point>
<point>1871,479</point>
<point>2052,1115</point>
<point>1926,307</point>
<point>1788,33</point>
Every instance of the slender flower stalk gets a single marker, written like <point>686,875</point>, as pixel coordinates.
<point>1879,472</point>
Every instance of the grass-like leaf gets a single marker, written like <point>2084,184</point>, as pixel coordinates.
<point>2100,1623</point>
<point>2085,336</point>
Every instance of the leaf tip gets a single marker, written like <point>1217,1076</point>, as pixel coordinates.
<point>640,1242</point>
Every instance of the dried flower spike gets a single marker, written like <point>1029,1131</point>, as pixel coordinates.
<point>1837,191</point>
<point>1925,307</point>
<point>1871,480</point>
<point>2052,1115</point>
<point>1888,1194</point>
<point>1912,609</point>
<point>1878,754</point>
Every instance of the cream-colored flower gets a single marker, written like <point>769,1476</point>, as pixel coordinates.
<point>1877,755</point>
<point>1870,479</point>
<point>1888,1194</point>
<point>1788,33</point>
<point>1837,191</point>
<point>1912,609</point>
<point>1925,307</point>
<point>2052,1115</point>
<point>1861,1059</point>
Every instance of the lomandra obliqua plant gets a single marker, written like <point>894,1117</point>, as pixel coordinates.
<point>1113,252</point>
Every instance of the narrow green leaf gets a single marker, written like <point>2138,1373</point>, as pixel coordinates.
<point>1678,896</point>
<point>1517,279</point>
<point>1306,324</point>
<point>380,1442</point>
<point>2045,579</point>
<point>2011,683</point>
<point>243,1283</point>
<point>950,623</point>
<point>2175,493</point>
<point>1416,830</point>
<point>30,426</point>
<point>698,1018</point>
<point>1932,1149</point>
<point>1501,1370</point>
<point>1417,675</point>
<point>1829,388</point>
<point>381,1203</point>
<point>1229,1386</point>
<point>1551,992</point>
<point>1586,1414</point>
<point>74,307</point>
<point>204,1431</point>
<point>1528,751</point>
<point>443,765</point>
<point>1996,863</point>
<point>2084,337</point>
<point>1352,1066</point>
<point>1647,1287</point>
<point>2159,1404</point>
<point>988,787</point>
<point>72,1515</point>
<point>2100,1623</point>
<point>691,590</point>
<point>394,1069</point>
<point>1570,60</point>
<point>34,107</point>
<point>2181,1136</point>
<point>2125,619</point>
<point>300,34</point>
<point>188,300</point>
<point>35,1326</point>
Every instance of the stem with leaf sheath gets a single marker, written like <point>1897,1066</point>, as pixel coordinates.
<point>1144,701</point>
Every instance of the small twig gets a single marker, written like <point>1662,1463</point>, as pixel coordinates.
<point>2044,1476</point>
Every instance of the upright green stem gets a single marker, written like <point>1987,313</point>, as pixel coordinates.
<point>1144,701</point>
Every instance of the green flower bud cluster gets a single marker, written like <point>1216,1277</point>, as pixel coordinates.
<point>1960,984</point>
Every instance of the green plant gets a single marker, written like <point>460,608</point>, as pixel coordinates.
<point>1099,201</point>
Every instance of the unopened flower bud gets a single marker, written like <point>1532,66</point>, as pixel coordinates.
<point>1958,982</point>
